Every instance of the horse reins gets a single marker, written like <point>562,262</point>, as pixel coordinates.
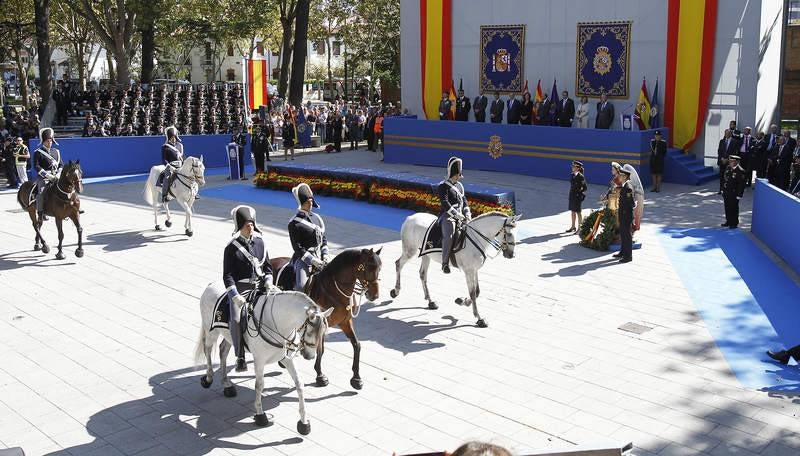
<point>498,246</point>
<point>290,343</point>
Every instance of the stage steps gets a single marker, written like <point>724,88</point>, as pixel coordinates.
<point>681,168</point>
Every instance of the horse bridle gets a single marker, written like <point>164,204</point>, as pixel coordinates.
<point>78,180</point>
<point>498,246</point>
<point>194,177</point>
<point>360,287</point>
<point>289,343</point>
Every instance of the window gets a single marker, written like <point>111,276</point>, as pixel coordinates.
<point>230,50</point>
<point>208,52</point>
<point>337,48</point>
<point>231,74</point>
<point>320,48</point>
<point>260,48</point>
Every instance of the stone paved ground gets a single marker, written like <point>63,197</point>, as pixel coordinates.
<point>96,353</point>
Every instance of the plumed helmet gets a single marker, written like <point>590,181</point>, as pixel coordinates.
<point>47,133</point>
<point>243,214</point>
<point>302,193</point>
<point>454,167</point>
<point>171,132</point>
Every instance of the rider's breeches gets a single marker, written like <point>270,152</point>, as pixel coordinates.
<point>301,273</point>
<point>447,237</point>
<point>235,311</point>
<point>40,183</point>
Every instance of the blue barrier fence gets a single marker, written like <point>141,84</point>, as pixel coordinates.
<point>776,217</point>
<point>531,150</point>
<point>125,155</point>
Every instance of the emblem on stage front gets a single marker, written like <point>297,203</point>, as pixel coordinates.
<point>602,60</point>
<point>495,147</point>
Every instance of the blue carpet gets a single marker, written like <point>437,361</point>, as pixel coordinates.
<point>748,304</point>
<point>143,177</point>
<point>387,217</point>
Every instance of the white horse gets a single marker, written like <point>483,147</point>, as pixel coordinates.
<point>486,235</point>
<point>188,178</point>
<point>282,325</point>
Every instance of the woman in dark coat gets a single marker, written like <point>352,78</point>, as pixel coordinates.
<point>288,137</point>
<point>577,193</point>
<point>526,113</point>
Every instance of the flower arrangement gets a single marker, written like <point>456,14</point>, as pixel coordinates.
<point>414,196</point>
<point>599,229</point>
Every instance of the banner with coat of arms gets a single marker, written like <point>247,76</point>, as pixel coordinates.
<point>602,58</point>
<point>502,59</point>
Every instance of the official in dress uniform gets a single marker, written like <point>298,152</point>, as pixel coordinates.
<point>577,193</point>
<point>463,107</point>
<point>259,146</point>
<point>732,191</point>
<point>172,157</point>
<point>479,106</point>
<point>497,108</point>
<point>444,107</point>
<point>307,235</point>
<point>245,266</point>
<point>627,203</point>
<point>240,139</point>
<point>47,162</point>
<point>658,152</point>
<point>455,208</point>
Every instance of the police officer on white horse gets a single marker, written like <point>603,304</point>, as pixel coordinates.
<point>455,209</point>
<point>307,235</point>
<point>172,156</point>
<point>47,161</point>
<point>245,266</point>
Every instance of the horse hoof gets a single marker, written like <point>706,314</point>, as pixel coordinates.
<point>459,301</point>
<point>304,429</point>
<point>79,253</point>
<point>394,293</point>
<point>37,247</point>
<point>356,383</point>
<point>168,223</point>
<point>45,249</point>
<point>322,381</point>
<point>189,233</point>
<point>280,363</point>
<point>60,255</point>
<point>261,420</point>
<point>205,383</point>
<point>158,227</point>
<point>432,305</point>
<point>229,391</point>
<point>482,323</point>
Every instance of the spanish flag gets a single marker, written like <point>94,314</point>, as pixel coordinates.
<point>452,97</point>
<point>257,94</point>
<point>642,113</point>
<point>537,97</point>
<point>691,27</point>
<point>437,50</point>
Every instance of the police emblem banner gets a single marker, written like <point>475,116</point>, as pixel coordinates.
<point>602,57</point>
<point>502,58</point>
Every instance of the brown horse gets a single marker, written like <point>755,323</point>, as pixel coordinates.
<point>61,201</point>
<point>340,285</point>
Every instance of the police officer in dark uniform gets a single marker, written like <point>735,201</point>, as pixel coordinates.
<point>732,190</point>
<point>172,157</point>
<point>307,235</point>
<point>47,161</point>
<point>245,267</point>
<point>258,144</point>
<point>658,153</point>
<point>463,107</point>
<point>627,203</point>
<point>455,208</point>
<point>240,139</point>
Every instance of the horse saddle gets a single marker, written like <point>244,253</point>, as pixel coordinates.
<point>222,310</point>
<point>284,279</point>
<point>432,241</point>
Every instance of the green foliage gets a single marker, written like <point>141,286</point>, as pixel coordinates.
<point>606,232</point>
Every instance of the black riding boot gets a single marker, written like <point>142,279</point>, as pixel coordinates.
<point>237,337</point>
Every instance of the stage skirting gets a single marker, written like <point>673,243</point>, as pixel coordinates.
<point>125,155</point>
<point>776,216</point>
<point>404,190</point>
<point>522,149</point>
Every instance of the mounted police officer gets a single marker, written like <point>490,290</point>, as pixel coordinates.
<point>172,156</point>
<point>245,266</point>
<point>455,208</point>
<point>307,235</point>
<point>47,161</point>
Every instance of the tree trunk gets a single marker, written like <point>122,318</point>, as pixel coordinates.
<point>93,60</point>
<point>22,79</point>
<point>330,73</point>
<point>123,66</point>
<point>299,54</point>
<point>286,57</point>
<point>80,52</point>
<point>112,75</point>
<point>148,51</point>
<point>42,19</point>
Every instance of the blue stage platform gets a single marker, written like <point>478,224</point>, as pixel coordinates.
<point>532,150</point>
<point>776,218</point>
<point>126,155</point>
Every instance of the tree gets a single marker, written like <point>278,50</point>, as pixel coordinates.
<point>288,10</point>
<point>327,17</point>
<point>374,35</point>
<point>299,53</point>
<point>17,25</point>
<point>76,34</point>
<point>115,22</point>
<point>42,17</point>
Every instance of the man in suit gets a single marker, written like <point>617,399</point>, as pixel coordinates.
<point>773,159</point>
<point>514,110</point>
<point>566,112</point>
<point>479,106</point>
<point>605,113</point>
<point>497,109</point>
<point>783,162</point>
<point>444,107</point>
<point>735,132</point>
<point>746,148</point>
<point>463,107</point>
<point>543,111</point>
<point>727,146</point>
<point>791,142</point>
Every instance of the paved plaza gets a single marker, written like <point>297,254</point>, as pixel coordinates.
<point>96,353</point>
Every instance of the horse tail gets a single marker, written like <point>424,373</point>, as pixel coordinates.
<point>24,194</point>
<point>150,185</point>
<point>200,347</point>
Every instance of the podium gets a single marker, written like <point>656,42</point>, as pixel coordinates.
<point>233,161</point>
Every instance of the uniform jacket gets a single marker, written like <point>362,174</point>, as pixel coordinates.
<point>307,235</point>
<point>463,107</point>
<point>238,271</point>
<point>453,199</point>
<point>577,184</point>
<point>47,161</point>
<point>658,149</point>
<point>172,154</point>
<point>733,182</point>
<point>240,139</point>
<point>626,204</point>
